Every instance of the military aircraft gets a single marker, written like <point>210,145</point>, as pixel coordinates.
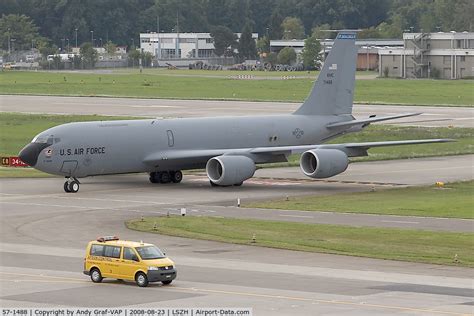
<point>227,147</point>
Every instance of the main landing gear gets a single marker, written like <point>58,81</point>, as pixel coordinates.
<point>71,185</point>
<point>166,176</point>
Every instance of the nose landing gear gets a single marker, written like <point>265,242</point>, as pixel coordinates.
<point>71,185</point>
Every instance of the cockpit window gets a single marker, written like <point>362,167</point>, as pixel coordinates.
<point>43,140</point>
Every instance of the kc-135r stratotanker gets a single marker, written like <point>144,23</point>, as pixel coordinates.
<point>228,147</point>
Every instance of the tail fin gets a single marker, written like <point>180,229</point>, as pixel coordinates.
<point>333,92</point>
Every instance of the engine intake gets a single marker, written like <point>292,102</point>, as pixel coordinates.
<point>323,163</point>
<point>230,170</point>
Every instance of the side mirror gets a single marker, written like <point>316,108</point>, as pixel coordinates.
<point>136,259</point>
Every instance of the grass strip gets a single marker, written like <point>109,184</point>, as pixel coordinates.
<point>381,243</point>
<point>390,91</point>
<point>455,200</point>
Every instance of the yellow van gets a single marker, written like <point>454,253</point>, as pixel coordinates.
<point>110,257</point>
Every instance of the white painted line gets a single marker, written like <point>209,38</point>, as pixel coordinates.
<point>400,222</point>
<point>300,216</point>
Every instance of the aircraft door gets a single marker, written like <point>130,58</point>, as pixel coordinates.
<point>170,138</point>
<point>69,167</point>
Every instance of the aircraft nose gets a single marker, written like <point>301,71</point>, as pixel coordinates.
<point>29,154</point>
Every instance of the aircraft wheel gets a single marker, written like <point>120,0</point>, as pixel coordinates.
<point>153,177</point>
<point>165,177</point>
<point>213,184</point>
<point>66,187</point>
<point>176,176</point>
<point>73,186</point>
<point>238,184</point>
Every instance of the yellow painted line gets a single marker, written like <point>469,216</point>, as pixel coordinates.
<point>292,298</point>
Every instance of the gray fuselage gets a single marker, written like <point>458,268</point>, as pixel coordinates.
<point>111,147</point>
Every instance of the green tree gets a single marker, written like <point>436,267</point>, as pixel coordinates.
<point>287,56</point>
<point>133,57</point>
<point>110,48</point>
<point>247,47</point>
<point>321,32</point>
<point>89,55</point>
<point>263,45</point>
<point>292,28</point>
<point>275,30</point>
<point>310,53</point>
<point>20,30</point>
<point>225,41</point>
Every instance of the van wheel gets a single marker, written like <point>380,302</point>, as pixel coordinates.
<point>166,282</point>
<point>141,279</point>
<point>96,276</point>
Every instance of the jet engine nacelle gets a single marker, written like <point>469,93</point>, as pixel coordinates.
<point>230,170</point>
<point>323,163</point>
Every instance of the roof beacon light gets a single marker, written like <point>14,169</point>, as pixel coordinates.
<point>107,238</point>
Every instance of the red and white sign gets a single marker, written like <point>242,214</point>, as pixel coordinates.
<point>16,162</point>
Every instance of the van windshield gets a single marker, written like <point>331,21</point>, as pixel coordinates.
<point>150,252</point>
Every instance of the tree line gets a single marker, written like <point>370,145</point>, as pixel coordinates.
<point>120,21</point>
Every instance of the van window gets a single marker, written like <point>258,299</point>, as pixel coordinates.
<point>97,250</point>
<point>129,254</point>
<point>112,251</point>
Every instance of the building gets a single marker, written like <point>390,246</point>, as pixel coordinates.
<point>368,53</point>
<point>430,55</point>
<point>165,46</point>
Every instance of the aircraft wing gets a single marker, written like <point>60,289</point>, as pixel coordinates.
<point>351,149</point>
<point>366,122</point>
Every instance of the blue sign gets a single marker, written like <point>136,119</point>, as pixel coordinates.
<point>346,36</point>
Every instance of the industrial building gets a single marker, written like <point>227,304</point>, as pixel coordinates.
<point>368,53</point>
<point>430,55</point>
<point>168,46</point>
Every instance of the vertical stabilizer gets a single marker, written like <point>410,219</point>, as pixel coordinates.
<point>333,92</point>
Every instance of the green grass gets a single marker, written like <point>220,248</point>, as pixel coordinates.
<point>151,85</point>
<point>455,200</point>
<point>382,243</point>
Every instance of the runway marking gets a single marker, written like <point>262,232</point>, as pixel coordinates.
<point>284,297</point>
<point>400,222</point>
<point>335,302</point>
<point>301,216</point>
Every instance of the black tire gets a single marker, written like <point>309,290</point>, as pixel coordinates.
<point>66,187</point>
<point>238,184</point>
<point>141,279</point>
<point>213,184</point>
<point>73,186</point>
<point>96,276</point>
<point>165,177</point>
<point>167,282</point>
<point>176,176</point>
<point>153,177</point>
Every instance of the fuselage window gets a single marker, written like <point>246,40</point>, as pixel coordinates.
<point>170,138</point>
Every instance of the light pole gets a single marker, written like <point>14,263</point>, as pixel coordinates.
<point>92,38</point>
<point>76,37</point>
<point>367,48</point>
<point>100,39</point>
<point>9,45</point>
<point>62,43</point>
<point>67,40</point>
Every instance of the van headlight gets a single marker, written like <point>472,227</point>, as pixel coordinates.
<point>152,268</point>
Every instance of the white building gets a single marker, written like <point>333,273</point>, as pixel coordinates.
<point>447,55</point>
<point>180,45</point>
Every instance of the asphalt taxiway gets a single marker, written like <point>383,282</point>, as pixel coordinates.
<point>44,232</point>
<point>432,116</point>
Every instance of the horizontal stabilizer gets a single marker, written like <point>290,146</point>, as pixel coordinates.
<point>369,120</point>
